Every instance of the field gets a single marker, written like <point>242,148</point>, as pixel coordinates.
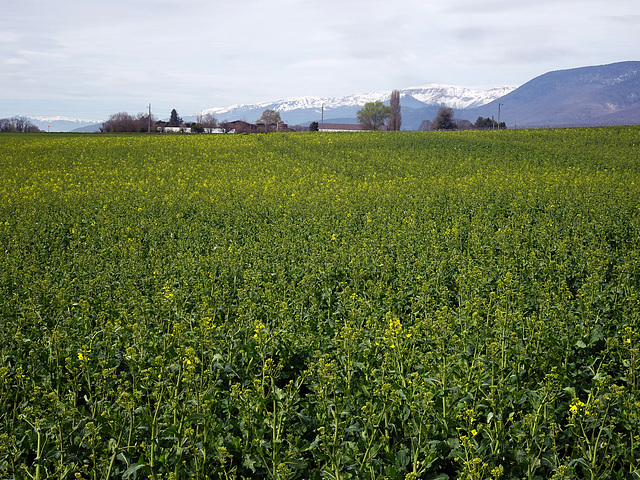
<point>304,306</point>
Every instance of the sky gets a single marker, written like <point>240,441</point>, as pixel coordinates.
<point>88,59</point>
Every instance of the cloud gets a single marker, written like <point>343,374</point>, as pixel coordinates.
<point>534,54</point>
<point>203,54</point>
<point>15,61</point>
<point>632,20</point>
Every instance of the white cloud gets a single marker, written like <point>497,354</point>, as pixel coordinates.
<point>201,54</point>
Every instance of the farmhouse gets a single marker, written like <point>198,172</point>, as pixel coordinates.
<point>240,126</point>
<point>174,129</point>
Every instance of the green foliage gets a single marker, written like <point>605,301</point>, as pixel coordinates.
<point>306,306</point>
<point>488,124</point>
<point>444,120</point>
<point>175,120</point>
<point>373,115</point>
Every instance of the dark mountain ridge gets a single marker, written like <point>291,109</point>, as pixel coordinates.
<point>598,95</point>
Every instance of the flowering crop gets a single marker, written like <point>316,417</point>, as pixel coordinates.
<point>410,305</point>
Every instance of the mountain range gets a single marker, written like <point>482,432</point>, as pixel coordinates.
<point>304,110</point>
<point>63,124</point>
<point>595,95</point>
<point>586,96</point>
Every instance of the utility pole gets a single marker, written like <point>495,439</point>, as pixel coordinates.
<point>149,130</point>
<point>499,115</point>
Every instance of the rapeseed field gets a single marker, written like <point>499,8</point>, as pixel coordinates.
<point>305,306</point>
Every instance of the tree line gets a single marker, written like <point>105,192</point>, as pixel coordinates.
<point>205,123</point>
<point>374,114</point>
<point>445,120</point>
<point>17,124</point>
<point>123,122</point>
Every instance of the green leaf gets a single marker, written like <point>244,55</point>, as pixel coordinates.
<point>133,468</point>
<point>402,458</point>
<point>249,463</point>
<point>441,476</point>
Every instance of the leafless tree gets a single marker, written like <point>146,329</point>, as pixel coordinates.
<point>17,124</point>
<point>425,126</point>
<point>463,124</point>
<point>120,122</point>
<point>207,121</point>
<point>395,119</point>
<point>269,118</point>
<point>143,122</point>
<point>6,125</point>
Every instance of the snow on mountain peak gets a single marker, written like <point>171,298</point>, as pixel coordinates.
<point>60,118</point>
<point>432,94</point>
<point>456,97</point>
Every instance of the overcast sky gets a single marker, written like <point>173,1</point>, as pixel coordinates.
<point>88,59</point>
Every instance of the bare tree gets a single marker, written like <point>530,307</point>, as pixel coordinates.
<point>463,124</point>
<point>207,121</point>
<point>395,119</point>
<point>17,124</point>
<point>120,122</point>
<point>31,128</point>
<point>143,122</point>
<point>425,126</point>
<point>6,125</point>
<point>268,119</point>
<point>20,122</point>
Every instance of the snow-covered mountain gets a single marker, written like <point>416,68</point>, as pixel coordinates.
<point>303,110</point>
<point>455,97</point>
<point>593,95</point>
<point>63,124</point>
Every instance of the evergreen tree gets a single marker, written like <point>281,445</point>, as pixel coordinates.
<point>175,120</point>
<point>444,120</point>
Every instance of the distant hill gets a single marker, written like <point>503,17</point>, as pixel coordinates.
<point>63,124</point>
<point>599,95</point>
<point>94,127</point>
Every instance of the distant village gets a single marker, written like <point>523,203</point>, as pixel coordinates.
<point>241,126</point>
<point>374,116</point>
